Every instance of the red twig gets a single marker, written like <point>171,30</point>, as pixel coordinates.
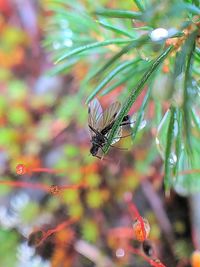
<point>53,189</point>
<point>21,169</point>
<point>135,214</point>
<point>58,228</point>
<point>23,184</point>
<point>47,170</point>
<point>152,262</point>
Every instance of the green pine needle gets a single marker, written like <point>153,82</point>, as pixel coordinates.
<point>134,95</point>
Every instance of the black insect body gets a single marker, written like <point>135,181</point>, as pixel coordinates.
<point>101,122</point>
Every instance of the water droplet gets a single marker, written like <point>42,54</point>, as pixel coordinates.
<point>158,34</point>
<point>56,45</point>
<point>120,252</point>
<point>175,128</point>
<point>68,42</point>
<point>132,121</point>
<point>142,124</point>
<point>67,33</point>
<point>161,134</point>
<point>173,159</point>
<point>157,141</point>
<point>64,24</point>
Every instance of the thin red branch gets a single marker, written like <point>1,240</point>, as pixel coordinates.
<point>23,184</point>
<point>135,214</point>
<point>53,189</point>
<point>58,228</point>
<point>47,170</point>
<point>22,169</point>
<point>153,262</point>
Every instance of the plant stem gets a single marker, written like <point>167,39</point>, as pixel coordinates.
<point>134,95</point>
<point>168,150</point>
<point>117,13</point>
<point>139,5</point>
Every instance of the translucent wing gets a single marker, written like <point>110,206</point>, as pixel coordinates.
<point>108,115</point>
<point>117,136</point>
<point>94,113</point>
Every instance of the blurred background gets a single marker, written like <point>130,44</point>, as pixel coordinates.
<point>43,126</point>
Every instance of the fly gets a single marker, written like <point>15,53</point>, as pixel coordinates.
<point>101,122</point>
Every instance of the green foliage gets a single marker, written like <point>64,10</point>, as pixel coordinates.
<point>9,240</point>
<point>18,116</point>
<point>90,230</point>
<point>107,50</point>
<point>133,60</point>
<point>114,13</point>
<point>94,198</point>
<point>93,180</point>
<point>133,96</point>
<point>168,150</point>
<point>76,210</point>
<point>29,212</point>
<point>71,197</point>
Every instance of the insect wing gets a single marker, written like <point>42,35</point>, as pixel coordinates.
<point>94,113</point>
<point>117,136</point>
<point>109,115</point>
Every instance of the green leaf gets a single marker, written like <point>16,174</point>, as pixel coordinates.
<point>143,28</point>
<point>91,46</point>
<point>117,13</point>
<point>114,29</point>
<point>141,113</point>
<point>134,44</point>
<point>134,94</point>
<point>196,119</point>
<point>188,50</point>
<point>188,178</point>
<point>62,68</point>
<point>158,112</point>
<point>189,7</point>
<point>169,143</point>
<point>110,76</point>
<point>178,142</point>
<point>139,4</point>
<point>79,20</point>
<point>127,77</point>
<point>197,52</point>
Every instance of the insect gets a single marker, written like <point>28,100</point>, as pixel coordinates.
<point>101,122</point>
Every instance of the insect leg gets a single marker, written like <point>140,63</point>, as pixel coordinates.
<point>117,137</point>
<point>119,147</point>
<point>95,131</point>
